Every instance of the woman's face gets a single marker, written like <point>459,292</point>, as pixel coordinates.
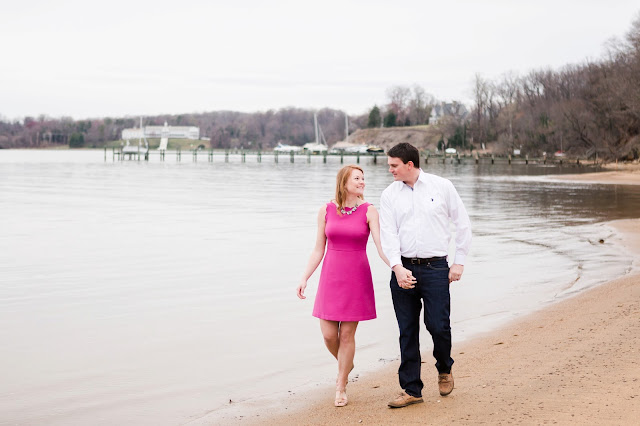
<point>355,183</point>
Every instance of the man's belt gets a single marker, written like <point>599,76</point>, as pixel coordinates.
<point>422,261</point>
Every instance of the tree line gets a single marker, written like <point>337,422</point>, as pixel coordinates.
<point>225,129</point>
<point>587,109</point>
<point>222,129</point>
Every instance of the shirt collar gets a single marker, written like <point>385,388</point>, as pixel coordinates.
<point>422,177</point>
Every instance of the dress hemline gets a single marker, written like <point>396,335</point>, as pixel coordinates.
<point>327,318</point>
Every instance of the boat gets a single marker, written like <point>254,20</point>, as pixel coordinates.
<point>287,148</point>
<point>357,149</point>
<point>350,148</point>
<point>315,148</point>
<point>320,144</point>
<point>141,148</point>
<point>135,149</point>
<point>341,147</point>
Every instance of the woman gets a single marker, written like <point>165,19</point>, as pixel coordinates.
<point>345,293</point>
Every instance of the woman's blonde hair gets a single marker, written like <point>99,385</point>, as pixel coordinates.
<point>341,184</point>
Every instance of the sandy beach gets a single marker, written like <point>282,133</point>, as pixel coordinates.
<point>574,362</point>
<point>617,174</point>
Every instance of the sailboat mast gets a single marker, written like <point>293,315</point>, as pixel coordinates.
<point>346,127</point>
<point>315,124</point>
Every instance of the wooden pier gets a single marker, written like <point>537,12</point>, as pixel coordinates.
<point>118,155</point>
<point>275,156</point>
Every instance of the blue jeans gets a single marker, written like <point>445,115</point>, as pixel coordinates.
<point>432,289</point>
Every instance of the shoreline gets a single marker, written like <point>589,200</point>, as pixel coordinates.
<point>617,174</point>
<point>575,361</point>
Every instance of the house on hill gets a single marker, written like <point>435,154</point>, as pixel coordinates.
<point>455,109</point>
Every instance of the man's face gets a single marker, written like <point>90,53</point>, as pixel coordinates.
<point>398,169</point>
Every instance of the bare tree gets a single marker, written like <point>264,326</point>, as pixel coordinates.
<point>420,105</point>
<point>399,98</point>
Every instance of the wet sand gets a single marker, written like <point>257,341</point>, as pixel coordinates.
<point>575,362</point>
<point>617,174</point>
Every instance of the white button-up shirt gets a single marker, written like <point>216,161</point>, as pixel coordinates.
<point>416,222</point>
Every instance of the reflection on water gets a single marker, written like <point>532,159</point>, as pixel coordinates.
<point>158,291</point>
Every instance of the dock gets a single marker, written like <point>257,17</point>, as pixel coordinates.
<point>226,156</point>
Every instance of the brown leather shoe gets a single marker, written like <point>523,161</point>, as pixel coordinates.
<point>445,383</point>
<point>403,400</point>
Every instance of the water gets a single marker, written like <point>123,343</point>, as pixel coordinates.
<point>157,292</point>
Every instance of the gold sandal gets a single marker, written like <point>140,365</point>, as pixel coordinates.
<point>341,398</point>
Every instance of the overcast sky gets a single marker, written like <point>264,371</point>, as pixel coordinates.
<point>95,59</point>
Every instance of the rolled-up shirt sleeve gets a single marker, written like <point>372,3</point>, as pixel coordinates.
<point>460,218</point>
<point>389,231</point>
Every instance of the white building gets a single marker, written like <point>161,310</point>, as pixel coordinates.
<point>166,131</point>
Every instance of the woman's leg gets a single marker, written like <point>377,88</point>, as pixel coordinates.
<point>331,337</point>
<point>346,351</point>
<point>339,337</point>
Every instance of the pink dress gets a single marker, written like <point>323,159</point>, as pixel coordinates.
<point>345,292</point>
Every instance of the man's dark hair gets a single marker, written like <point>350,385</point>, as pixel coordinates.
<point>406,152</point>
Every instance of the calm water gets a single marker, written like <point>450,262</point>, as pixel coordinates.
<point>153,293</point>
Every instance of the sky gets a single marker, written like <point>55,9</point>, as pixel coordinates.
<point>86,59</point>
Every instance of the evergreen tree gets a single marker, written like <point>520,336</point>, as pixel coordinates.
<point>76,140</point>
<point>374,118</point>
<point>390,119</point>
<point>457,140</point>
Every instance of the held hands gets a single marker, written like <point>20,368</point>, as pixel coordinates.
<point>405,279</point>
<point>301,287</point>
<point>455,272</point>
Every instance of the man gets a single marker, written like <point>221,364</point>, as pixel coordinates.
<point>415,212</point>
